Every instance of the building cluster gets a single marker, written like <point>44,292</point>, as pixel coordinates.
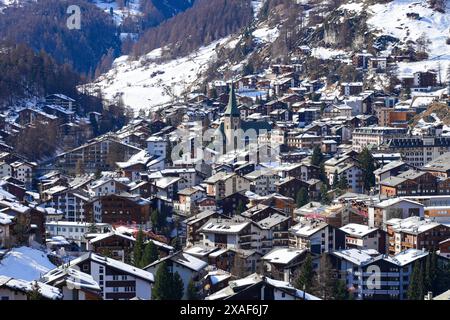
<point>239,227</point>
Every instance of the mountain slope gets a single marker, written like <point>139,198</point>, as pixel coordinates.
<point>278,28</point>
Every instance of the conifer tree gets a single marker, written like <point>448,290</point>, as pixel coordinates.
<point>317,156</point>
<point>163,281</point>
<point>415,289</point>
<point>150,254</point>
<point>192,291</point>
<point>305,279</point>
<point>367,163</point>
<point>138,249</point>
<point>302,197</point>
<point>325,283</point>
<point>177,287</point>
<point>35,293</point>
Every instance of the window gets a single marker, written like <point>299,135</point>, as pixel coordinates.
<point>5,298</point>
<point>115,289</point>
<point>85,267</point>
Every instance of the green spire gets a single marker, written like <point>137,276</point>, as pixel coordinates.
<point>232,109</point>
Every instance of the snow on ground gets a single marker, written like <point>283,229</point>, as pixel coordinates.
<point>356,6</point>
<point>326,53</point>
<point>25,263</point>
<point>149,84</point>
<point>265,34</point>
<point>391,19</point>
<point>119,14</point>
<point>257,5</point>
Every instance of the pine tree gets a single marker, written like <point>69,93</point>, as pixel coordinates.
<point>302,197</point>
<point>155,219</point>
<point>177,287</point>
<point>150,254</point>
<point>340,291</point>
<point>415,289</point>
<point>325,283</point>
<point>35,293</point>
<point>428,281</point>
<point>343,183</point>
<point>138,249</point>
<point>325,199</point>
<point>317,156</point>
<point>176,244</point>
<point>305,279</point>
<point>367,163</point>
<point>240,207</point>
<point>192,291</point>
<point>162,289</point>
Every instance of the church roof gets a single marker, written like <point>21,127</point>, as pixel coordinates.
<point>232,107</point>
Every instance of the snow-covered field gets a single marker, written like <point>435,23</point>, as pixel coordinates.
<point>119,14</point>
<point>25,263</point>
<point>391,19</point>
<point>149,84</point>
<point>326,53</point>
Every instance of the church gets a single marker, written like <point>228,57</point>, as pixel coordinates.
<point>238,133</point>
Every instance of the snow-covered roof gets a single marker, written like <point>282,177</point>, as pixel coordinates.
<point>115,264</point>
<point>25,286</point>
<point>73,277</point>
<point>25,263</point>
<point>283,255</point>
<point>357,230</point>
<point>183,259</point>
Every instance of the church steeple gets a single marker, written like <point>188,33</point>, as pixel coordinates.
<point>232,107</point>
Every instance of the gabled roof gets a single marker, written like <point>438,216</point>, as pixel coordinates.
<point>112,263</point>
<point>183,259</point>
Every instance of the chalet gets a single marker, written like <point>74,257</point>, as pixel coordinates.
<point>74,284</point>
<point>117,280</point>
<point>284,263</point>
<point>18,289</point>
<point>415,232</point>
<point>360,236</point>
<point>187,266</point>
<point>116,208</point>
<point>258,287</point>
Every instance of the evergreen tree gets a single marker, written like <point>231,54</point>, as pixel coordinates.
<point>176,244</point>
<point>367,163</point>
<point>302,197</point>
<point>325,283</point>
<point>35,293</point>
<point>192,291</point>
<point>154,218</point>
<point>317,156</point>
<point>415,289</point>
<point>324,197</point>
<point>340,291</point>
<point>322,174</point>
<point>343,183</point>
<point>150,254</point>
<point>162,289</point>
<point>240,207</point>
<point>305,279</point>
<point>177,287</point>
<point>138,249</point>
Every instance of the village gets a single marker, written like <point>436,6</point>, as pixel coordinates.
<point>356,187</point>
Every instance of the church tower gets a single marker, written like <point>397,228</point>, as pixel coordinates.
<point>232,122</point>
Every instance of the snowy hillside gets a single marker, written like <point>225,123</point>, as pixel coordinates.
<point>147,83</point>
<point>25,263</point>
<point>132,9</point>
<point>392,19</point>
